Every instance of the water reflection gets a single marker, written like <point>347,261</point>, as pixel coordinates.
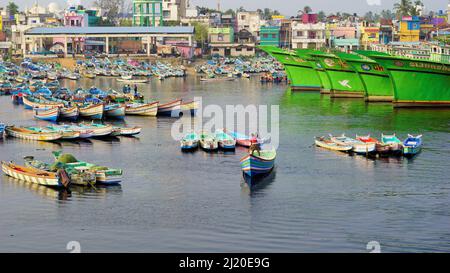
<point>253,185</point>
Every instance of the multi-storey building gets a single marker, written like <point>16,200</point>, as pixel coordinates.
<point>249,20</point>
<point>174,10</point>
<point>147,13</point>
<point>308,32</point>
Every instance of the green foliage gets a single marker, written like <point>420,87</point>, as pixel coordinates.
<point>200,32</point>
<point>12,8</point>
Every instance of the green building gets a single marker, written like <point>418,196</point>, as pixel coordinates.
<point>147,13</point>
<point>269,36</point>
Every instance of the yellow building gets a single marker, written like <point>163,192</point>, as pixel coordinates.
<point>369,35</point>
<point>409,30</point>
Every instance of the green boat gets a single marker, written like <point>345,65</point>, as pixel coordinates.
<point>376,79</point>
<point>417,83</point>
<point>321,72</point>
<point>345,81</point>
<point>301,72</point>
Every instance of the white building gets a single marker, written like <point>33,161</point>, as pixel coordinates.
<point>174,10</point>
<point>249,20</point>
<point>308,35</point>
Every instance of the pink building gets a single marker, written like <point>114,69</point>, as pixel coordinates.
<point>343,32</point>
<point>74,19</point>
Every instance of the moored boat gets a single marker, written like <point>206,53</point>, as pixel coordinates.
<point>258,163</point>
<point>69,113</point>
<point>226,142</point>
<point>412,145</point>
<point>27,134</point>
<point>208,142</point>
<point>380,148</point>
<point>358,146</point>
<point>142,109</point>
<point>115,111</point>
<point>330,145</point>
<point>97,130</point>
<point>51,114</point>
<point>36,176</point>
<point>92,111</point>
<point>126,131</point>
<point>395,144</point>
<point>241,139</point>
<point>189,142</point>
<point>189,107</point>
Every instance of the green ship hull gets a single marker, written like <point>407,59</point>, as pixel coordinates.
<point>321,72</point>
<point>345,81</point>
<point>376,79</point>
<point>300,72</point>
<point>417,83</point>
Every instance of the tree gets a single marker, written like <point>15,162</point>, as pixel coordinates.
<point>321,16</point>
<point>305,10</point>
<point>12,8</point>
<point>387,14</point>
<point>230,12</point>
<point>403,8</point>
<point>416,8</point>
<point>111,8</point>
<point>200,33</point>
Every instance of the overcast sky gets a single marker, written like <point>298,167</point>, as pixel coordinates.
<point>286,7</point>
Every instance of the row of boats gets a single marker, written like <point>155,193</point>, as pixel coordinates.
<point>66,170</point>
<point>365,145</point>
<point>54,132</point>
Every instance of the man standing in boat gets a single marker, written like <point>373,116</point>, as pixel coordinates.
<point>254,144</point>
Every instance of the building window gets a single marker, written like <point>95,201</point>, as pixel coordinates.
<point>238,49</point>
<point>312,35</point>
<point>220,37</point>
<point>299,33</point>
<point>265,35</point>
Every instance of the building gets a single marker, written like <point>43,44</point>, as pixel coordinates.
<point>269,36</point>
<point>409,29</point>
<point>370,34</point>
<point>174,10</point>
<point>224,42</point>
<point>440,53</point>
<point>249,20</point>
<point>147,13</point>
<point>308,32</point>
<point>285,33</point>
<point>386,31</point>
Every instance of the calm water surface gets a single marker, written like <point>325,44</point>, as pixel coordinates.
<point>315,200</point>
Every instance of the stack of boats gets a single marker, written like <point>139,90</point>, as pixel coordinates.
<point>367,145</point>
<point>65,170</point>
<point>374,76</point>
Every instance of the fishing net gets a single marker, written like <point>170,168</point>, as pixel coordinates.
<point>66,158</point>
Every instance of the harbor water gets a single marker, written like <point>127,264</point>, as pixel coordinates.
<point>314,201</point>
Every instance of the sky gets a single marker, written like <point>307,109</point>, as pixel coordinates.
<point>286,7</point>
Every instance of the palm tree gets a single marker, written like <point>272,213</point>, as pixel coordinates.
<point>403,8</point>
<point>305,10</point>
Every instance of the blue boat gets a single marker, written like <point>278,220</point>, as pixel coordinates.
<point>261,163</point>
<point>115,111</point>
<point>412,145</point>
<point>189,142</point>
<point>2,129</point>
<point>47,114</point>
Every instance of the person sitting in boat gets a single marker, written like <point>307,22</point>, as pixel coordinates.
<point>135,90</point>
<point>254,145</point>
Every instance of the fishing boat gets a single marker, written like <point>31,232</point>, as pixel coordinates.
<point>258,163</point>
<point>27,134</point>
<point>80,176</point>
<point>30,103</point>
<point>330,145</point>
<point>189,107</point>
<point>226,142</point>
<point>208,142</point>
<point>69,113</point>
<point>412,145</point>
<point>92,111</point>
<point>132,80</point>
<point>115,111</point>
<point>218,79</point>
<point>126,131</point>
<point>104,175</point>
<point>358,146</point>
<point>171,109</point>
<point>36,176</point>
<point>48,115</point>
<point>241,139</point>
<point>82,132</point>
<point>380,148</point>
<point>395,144</point>
<point>189,142</point>
<point>417,82</point>
<point>97,130</point>
<point>66,132</point>
<point>142,109</point>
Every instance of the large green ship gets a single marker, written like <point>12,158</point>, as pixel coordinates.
<point>417,83</point>
<point>376,79</point>
<point>345,81</point>
<point>300,72</point>
<point>323,76</point>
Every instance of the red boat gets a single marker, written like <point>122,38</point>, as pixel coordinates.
<point>379,147</point>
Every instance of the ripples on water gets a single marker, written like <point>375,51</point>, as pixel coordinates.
<point>315,200</point>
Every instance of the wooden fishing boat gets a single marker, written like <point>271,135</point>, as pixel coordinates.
<point>258,164</point>
<point>380,148</point>
<point>226,142</point>
<point>142,109</point>
<point>412,145</point>
<point>30,103</point>
<point>36,176</point>
<point>93,111</point>
<point>98,130</point>
<point>189,142</point>
<point>126,131</point>
<point>89,75</point>
<point>395,144</point>
<point>66,133</point>
<point>48,115</point>
<point>241,139</point>
<point>115,111</point>
<point>208,142</point>
<point>219,79</point>
<point>69,113</point>
<point>81,176</point>
<point>82,132</point>
<point>189,107</point>
<point>104,175</point>
<point>131,81</point>
<point>330,145</point>
<point>358,146</point>
<point>24,133</point>
<point>170,109</point>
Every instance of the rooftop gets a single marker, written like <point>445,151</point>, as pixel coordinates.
<point>110,30</point>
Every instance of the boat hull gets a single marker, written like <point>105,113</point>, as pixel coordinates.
<point>149,109</point>
<point>117,113</point>
<point>20,173</point>
<point>255,166</point>
<point>171,109</point>
<point>92,111</point>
